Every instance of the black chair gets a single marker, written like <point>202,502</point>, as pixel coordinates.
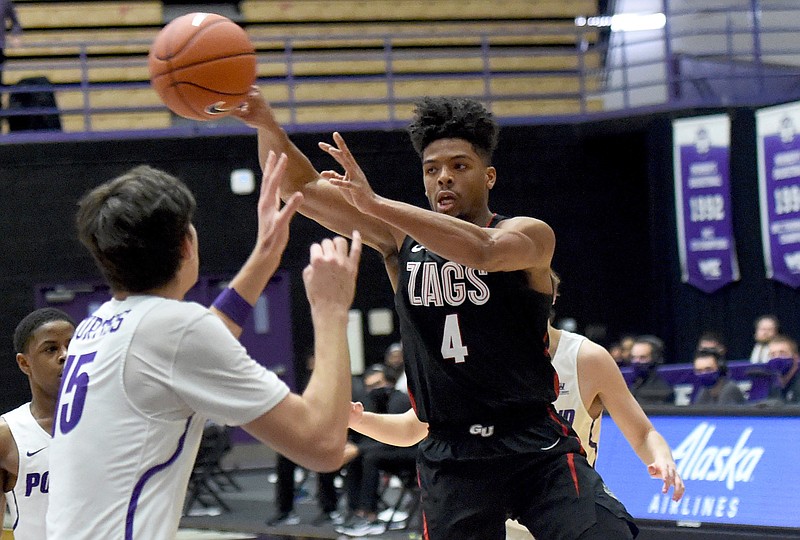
<point>208,478</point>
<point>406,473</point>
<point>21,98</point>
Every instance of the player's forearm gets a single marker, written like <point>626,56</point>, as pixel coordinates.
<point>653,448</point>
<point>328,391</point>
<point>300,171</point>
<point>395,429</point>
<point>447,236</point>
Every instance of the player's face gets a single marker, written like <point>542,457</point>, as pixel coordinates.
<point>43,361</point>
<point>457,182</point>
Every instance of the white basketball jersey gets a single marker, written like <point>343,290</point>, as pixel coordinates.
<point>142,377</point>
<point>569,403</point>
<point>27,501</point>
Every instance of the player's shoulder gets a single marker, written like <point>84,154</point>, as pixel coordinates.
<point>8,446</point>
<point>594,358</point>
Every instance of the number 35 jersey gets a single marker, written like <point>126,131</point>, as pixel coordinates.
<point>474,342</point>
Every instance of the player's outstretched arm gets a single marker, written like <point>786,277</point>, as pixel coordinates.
<point>396,429</point>
<point>271,240</point>
<point>9,462</point>
<point>323,203</point>
<point>597,365</point>
<point>311,429</point>
<point>520,243</point>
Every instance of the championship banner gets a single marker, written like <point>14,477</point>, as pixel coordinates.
<point>779,191</point>
<point>701,150</point>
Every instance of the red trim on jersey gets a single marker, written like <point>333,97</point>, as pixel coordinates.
<point>424,519</point>
<point>490,220</point>
<point>412,400</point>
<point>571,462</point>
<point>570,456</point>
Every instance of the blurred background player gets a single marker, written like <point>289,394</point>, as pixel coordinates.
<point>41,340</point>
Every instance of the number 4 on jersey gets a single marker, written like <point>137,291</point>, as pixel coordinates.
<point>452,346</point>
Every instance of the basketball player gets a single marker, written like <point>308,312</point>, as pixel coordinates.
<point>590,382</point>
<point>146,370</point>
<point>473,294</point>
<point>41,341</point>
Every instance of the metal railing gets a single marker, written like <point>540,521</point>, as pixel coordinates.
<point>725,55</point>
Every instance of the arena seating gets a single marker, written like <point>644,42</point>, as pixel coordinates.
<point>320,59</point>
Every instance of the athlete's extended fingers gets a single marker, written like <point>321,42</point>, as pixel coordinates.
<point>274,169</point>
<point>340,247</point>
<point>679,488</point>
<point>289,210</point>
<point>355,249</point>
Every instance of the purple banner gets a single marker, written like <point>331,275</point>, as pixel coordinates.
<point>701,150</point>
<point>779,191</point>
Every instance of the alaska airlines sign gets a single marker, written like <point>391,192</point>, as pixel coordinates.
<point>737,470</point>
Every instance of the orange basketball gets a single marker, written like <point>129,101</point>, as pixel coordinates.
<point>202,65</point>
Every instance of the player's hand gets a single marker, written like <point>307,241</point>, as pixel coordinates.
<point>254,111</point>
<point>353,183</point>
<point>330,277</point>
<point>273,221</point>
<point>668,472</point>
<point>356,414</point>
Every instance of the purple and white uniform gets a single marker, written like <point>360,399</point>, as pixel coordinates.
<point>27,501</point>
<point>569,403</point>
<point>142,377</point>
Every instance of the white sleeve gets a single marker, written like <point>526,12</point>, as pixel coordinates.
<point>214,375</point>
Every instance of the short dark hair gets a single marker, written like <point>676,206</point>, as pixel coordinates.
<point>656,346</point>
<point>134,227</point>
<point>383,369</point>
<point>454,118</point>
<point>33,321</point>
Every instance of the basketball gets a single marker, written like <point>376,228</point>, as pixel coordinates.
<point>202,65</point>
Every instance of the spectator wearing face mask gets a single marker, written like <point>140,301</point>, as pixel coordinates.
<point>648,386</point>
<point>784,361</point>
<point>715,388</point>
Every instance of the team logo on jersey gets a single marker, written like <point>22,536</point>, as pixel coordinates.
<point>483,431</point>
<point>416,248</point>
<point>450,284</point>
<point>31,454</point>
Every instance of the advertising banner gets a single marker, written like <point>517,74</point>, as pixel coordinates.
<point>737,470</point>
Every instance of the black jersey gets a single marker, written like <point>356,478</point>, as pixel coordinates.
<point>475,343</point>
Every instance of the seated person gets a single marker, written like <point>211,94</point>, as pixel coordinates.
<point>712,340</point>
<point>766,328</point>
<point>648,386</point>
<point>366,457</point>
<point>715,386</point>
<point>285,489</point>
<point>784,361</point>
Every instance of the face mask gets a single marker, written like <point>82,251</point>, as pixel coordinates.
<point>641,371</point>
<point>708,379</point>
<point>781,365</point>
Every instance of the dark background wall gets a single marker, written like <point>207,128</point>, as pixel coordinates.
<point>605,188</point>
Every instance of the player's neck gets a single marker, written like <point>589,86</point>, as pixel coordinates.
<point>43,409</point>
<point>554,334</point>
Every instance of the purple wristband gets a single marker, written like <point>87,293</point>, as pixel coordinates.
<point>233,305</point>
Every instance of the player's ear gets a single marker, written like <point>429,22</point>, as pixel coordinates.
<point>24,365</point>
<point>491,177</point>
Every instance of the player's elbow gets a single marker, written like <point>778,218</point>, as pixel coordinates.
<point>328,453</point>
